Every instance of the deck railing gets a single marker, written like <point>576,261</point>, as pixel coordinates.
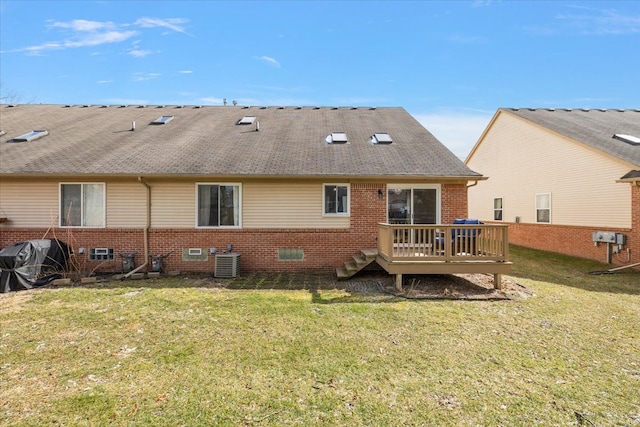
<point>474,242</point>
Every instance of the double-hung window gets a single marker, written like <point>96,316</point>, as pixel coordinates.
<point>497,209</point>
<point>335,199</point>
<point>82,205</point>
<point>543,208</point>
<point>218,205</point>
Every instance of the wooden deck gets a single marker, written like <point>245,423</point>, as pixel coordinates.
<point>443,249</point>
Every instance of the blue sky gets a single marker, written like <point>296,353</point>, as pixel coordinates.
<point>449,64</point>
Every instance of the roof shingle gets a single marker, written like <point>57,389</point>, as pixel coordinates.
<point>208,141</point>
<point>594,128</point>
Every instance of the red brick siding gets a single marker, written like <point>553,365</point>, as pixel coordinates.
<point>577,241</point>
<point>454,202</point>
<point>633,238</point>
<point>324,249</point>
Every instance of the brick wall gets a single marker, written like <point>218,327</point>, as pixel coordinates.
<point>633,239</point>
<point>324,249</point>
<point>454,202</point>
<point>577,241</point>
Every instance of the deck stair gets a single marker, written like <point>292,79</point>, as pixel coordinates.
<point>357,263</point>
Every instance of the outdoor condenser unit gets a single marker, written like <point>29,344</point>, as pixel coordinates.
<point>226,265</point>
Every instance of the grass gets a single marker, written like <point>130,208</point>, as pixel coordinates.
<point>291,350</point>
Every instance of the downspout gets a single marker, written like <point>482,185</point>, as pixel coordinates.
<point>474,184</point>
<point>146,231</point>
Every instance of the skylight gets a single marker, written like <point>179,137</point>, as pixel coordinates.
<point>338,138</point>
<point>31,136</point>
<point>381,138</point>
<point>247,120</point>
<point>162,120</point>
<point>629,139</point>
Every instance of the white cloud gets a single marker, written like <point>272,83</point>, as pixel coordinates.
<point>85,33</point>
<point>270,61</point>
<point>601,22</point>
<point>141,77</point>
<point>136,52</point>
<point>185,72</point>
<point>101,38</point>
<point>171,23</point>
<point>589,21</point>
<point>103,82</point>
<point>84,25</point>
<point>458,130</point>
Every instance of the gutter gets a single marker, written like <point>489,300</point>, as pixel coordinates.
<point>146,231</point>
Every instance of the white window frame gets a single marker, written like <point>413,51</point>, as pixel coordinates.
<point>539,208</point>
<point>103,219</point>
<point>324,204</point>
<point>496,209</point>
<point>226,184</point>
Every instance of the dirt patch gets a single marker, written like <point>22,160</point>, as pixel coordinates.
<point>439,286</point>
<point>460,286</point>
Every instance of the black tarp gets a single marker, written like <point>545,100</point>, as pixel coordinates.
<point>33,263</point>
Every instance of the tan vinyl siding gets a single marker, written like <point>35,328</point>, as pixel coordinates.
<point>34,203</point>
<point>287,205</point>
<point>522,159</point>
<point>126,205</point>
<point>31,203</point>
<point>173,204</point>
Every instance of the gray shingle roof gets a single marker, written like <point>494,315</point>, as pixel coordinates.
<point>594,128</point>
<point>208,141</point>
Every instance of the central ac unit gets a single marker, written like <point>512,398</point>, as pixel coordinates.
<point>226,265</point>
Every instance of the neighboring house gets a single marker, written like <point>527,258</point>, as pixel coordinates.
<point>557,176</point>
<point>288,188</point>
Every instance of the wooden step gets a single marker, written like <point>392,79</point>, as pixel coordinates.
<point>351,266</point>
<point>361,260</point>
<point>369,253</point>
<point>342,273</point>
<point>358,262</point>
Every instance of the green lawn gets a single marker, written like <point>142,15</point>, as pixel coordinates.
<point>179,351</point>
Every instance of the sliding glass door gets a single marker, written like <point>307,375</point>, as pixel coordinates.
<point>413,205</point>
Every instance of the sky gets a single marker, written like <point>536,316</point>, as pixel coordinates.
<point>450,64</point>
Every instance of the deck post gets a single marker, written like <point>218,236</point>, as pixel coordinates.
<point>399,282</point>
<point>497,281</point>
